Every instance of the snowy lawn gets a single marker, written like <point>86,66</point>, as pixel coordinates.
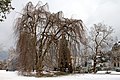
<point>13,76</point>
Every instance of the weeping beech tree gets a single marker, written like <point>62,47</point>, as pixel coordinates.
<point>41,34</point>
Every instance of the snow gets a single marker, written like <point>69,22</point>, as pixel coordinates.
<point>14,76</point>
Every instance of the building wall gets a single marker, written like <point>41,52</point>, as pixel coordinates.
<point>115,57</point>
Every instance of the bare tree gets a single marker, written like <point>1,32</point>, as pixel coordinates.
<point>101,39</point>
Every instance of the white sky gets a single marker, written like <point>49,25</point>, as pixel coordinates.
<point>90,11</point>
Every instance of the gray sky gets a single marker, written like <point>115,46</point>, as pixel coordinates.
<point>90,11</point>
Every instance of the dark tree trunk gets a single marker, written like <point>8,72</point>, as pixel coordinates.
<point>94,66</point>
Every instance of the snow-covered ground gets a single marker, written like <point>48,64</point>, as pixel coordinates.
<point>13,76</point>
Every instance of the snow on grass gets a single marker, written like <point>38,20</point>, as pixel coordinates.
<point>14,76</point>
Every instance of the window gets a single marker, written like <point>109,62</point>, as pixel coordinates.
<point>114,64</point>
<point>118,64</point>
<point>114,58</point>
<point>117,58</point>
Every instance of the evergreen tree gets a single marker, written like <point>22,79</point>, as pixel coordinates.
<point>64,56</point>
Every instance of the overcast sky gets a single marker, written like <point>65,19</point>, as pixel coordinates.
<point>90,11</point>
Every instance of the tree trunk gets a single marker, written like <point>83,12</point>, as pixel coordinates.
<point>39,67</point>
<point>94,66</point>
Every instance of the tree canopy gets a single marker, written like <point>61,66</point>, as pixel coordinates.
<point>5,8</point>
